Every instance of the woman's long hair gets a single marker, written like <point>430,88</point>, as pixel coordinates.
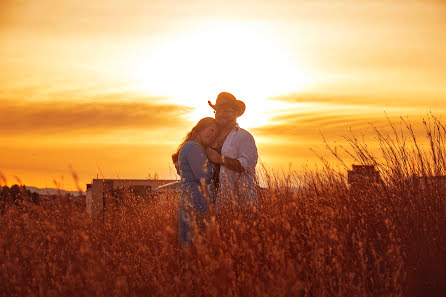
<point>200,126</point>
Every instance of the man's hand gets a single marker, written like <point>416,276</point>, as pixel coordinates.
<point>213,156</point>
<point>230,163</point>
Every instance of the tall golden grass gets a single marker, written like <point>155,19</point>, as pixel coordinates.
<point>312,235</point>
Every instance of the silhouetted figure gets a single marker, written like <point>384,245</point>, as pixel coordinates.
<point>196,178</point>
<point>234,152</point>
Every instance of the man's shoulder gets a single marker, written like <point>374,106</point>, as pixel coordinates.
<point>243,132</point>
<point>244,136</point>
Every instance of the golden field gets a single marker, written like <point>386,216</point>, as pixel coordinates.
<point>312,235</point>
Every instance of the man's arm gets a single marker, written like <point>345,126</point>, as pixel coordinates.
<point>230,163</point>
<point>248,155</point>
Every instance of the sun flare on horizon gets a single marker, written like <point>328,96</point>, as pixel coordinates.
<point>248,60</point>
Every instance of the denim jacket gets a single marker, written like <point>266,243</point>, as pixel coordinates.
<point>196,173</point>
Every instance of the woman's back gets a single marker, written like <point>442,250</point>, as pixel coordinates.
<point>196,172</point>
<point>190,158</point>
<point>197,189</point>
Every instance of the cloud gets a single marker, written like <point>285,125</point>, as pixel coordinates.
<point>380,101</point>
<point>316,98</point>
<point>311,126</point>
<point>309,116</point>
<point>304,125</point>
<point>71,117</point>
<point>126,18</point>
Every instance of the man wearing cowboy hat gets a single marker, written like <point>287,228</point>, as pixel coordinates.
<point>234,151</point>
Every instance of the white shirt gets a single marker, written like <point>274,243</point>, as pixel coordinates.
<point>240,145</point>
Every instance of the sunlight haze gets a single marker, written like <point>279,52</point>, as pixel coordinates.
<point>111,87</point>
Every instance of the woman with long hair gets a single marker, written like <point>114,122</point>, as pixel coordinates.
<point>197,189</point>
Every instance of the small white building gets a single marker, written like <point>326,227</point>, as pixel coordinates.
<point>99,189</point>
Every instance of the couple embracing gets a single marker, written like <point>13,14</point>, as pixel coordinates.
<point>216,162</point>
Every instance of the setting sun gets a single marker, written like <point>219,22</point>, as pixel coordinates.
<point>249,59</point>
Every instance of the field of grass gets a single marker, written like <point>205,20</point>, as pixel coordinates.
<point>312,235</point>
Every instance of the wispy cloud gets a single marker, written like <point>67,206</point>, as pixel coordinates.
<point>18,117</point>
<point>310,126</point>
<point>308,118</point>
<point>381,101</point>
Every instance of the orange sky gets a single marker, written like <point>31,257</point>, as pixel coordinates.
<point>111,87</point>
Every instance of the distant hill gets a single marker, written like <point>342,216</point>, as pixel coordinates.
<point>51,191</point>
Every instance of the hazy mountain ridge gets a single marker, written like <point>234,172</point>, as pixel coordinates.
<point>51,191</point>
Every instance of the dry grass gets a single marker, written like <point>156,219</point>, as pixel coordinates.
<point>311,236</point>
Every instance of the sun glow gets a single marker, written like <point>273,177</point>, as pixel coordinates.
<point>248,60</point>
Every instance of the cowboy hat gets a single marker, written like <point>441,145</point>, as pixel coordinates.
<point>225,99</point>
